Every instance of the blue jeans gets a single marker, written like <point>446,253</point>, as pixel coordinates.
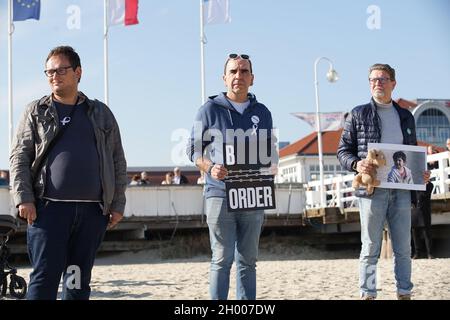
<point>394,206</point>
<point>63,240</point>
<point>233,235</point>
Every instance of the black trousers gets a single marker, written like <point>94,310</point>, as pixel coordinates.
<point>417,232</point>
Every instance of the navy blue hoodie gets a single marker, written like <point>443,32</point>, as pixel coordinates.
<point>213,120</point>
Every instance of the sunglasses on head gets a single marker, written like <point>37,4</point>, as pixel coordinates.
<point>235,56</point>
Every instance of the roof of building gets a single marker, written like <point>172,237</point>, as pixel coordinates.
<point>308,145</point>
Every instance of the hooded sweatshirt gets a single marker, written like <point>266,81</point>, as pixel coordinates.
<point>216,123</point>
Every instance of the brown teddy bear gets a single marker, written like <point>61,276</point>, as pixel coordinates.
<point>377,159</point>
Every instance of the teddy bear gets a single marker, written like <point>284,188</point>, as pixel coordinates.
<point>377,159</point>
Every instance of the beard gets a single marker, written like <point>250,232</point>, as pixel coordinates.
<point>379,94</point>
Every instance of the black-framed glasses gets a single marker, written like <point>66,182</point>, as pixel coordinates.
<point>382,80</point>
<point>235,56</point>
<point>59,71</point>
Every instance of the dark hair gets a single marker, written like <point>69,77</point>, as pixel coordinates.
<point>226,63</point>
<point>399,154</point>
<point>383,67</point>
<point>69,53</point>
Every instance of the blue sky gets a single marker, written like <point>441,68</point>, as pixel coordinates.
<point>155,65</point>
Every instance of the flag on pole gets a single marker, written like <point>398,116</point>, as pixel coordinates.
<point>216,11</point>
<point>122,12</point>
<point>26,9</point>
<point>329,121</point>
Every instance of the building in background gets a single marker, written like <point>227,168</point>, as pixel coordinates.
<point>432,119</point>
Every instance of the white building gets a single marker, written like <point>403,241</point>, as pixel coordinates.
<point>299,161</point>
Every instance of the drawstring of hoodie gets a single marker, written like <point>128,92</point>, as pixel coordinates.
<point>231,119</point>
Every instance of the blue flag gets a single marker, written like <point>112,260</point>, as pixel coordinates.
<point>26,9</point>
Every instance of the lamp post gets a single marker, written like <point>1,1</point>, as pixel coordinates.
<point>332,76</point>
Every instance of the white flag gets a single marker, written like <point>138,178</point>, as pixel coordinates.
<point>330,121</point>
<point>216,11</point>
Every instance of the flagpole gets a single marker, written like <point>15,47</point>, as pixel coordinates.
<point>10,90</point>
<point>105,50</point>
<point>202,52</point>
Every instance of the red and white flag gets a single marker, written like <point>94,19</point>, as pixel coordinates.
<point>122,12</point>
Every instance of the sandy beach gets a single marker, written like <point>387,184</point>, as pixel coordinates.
<point>294,272</point>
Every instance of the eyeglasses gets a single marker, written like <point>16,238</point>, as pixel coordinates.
<point>60,71</point>
<point>382,80</point>
<point>235,56</point>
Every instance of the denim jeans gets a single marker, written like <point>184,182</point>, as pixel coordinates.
<point>63,240</point>
<point>393,206</point>
<point>233,236</point>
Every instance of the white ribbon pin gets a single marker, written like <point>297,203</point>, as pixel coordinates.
<point>65,121</point>
<point>255,120</point>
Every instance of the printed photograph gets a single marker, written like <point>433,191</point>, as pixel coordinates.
<point>404,166</point>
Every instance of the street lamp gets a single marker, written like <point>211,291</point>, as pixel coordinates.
<point>332,76</point>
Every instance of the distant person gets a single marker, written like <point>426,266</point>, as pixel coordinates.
<point>400,173</point>
<point>4,180</point>
<point>135,180</point>
<point>432,164</point>
<point>168,178</point>
<point>179,178</point>
<point>68,177</point>
<point>421,225</point>
<point>145,179</point>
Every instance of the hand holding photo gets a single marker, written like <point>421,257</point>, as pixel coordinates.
<point>377,159</point>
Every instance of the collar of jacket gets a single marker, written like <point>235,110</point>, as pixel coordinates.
<point>47,102</point>
<point>222,100</point>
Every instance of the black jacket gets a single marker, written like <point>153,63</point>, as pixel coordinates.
<point>363,125</point>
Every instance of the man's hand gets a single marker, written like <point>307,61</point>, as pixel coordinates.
<point>426,176</point>
<point>114,219</point>
<point>365,166</point>
<point>219,172</point>
<point>27,211</point>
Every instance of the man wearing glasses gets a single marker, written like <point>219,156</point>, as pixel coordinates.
<point>380,121</point>
<point>68,174</point>
<point>233,235</point>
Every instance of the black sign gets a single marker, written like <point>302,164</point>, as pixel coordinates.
<point>248,187</point>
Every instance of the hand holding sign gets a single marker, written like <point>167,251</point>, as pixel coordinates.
<point>219,172</point>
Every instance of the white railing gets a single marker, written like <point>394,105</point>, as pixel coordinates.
<point>290,199</point>
<point>340,192</point>
<point>167,201</point>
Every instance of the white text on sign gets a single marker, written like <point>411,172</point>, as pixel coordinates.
<point>251,197</point>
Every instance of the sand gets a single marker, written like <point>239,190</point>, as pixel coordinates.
<point>283,272</point>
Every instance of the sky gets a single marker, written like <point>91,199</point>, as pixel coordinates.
<point>154,66</point>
